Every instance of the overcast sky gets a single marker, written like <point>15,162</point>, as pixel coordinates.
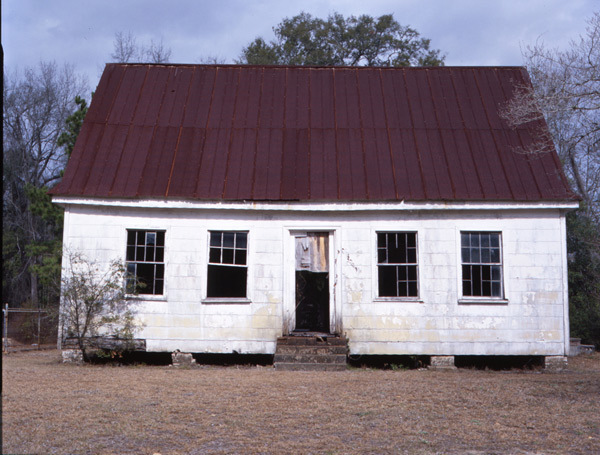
<point>82,32</point>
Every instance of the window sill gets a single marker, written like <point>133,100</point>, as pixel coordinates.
<point>398,299</point>
<point>482,301</point>
<point>226,301</point>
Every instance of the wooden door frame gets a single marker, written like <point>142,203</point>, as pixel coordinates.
<point>289,278</point>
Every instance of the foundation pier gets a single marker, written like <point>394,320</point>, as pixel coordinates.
<point>180,359</point>
<point>442,362</point>
<point>555,363</point>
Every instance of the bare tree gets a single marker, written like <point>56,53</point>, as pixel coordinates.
<point>567,94</point>
<point>94,303</point>
<point>157,52</point>
<point>36,105</point>
<point>212,60</point>
<point>127,50</point>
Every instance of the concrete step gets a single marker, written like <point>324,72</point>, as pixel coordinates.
<point>309,358</point>
<point>310,366</point>
<point>313,350</point>
<point>319,352</point>
<point>311,341</point>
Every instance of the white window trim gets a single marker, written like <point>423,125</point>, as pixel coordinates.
<point>479,300</point>
<point>205,300</point>
<point>135,227</point>
<point>399,226</point>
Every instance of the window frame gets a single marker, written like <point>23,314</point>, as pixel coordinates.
<point>206,273</point>
<point>377,264</point>
<point>501,263</point>
<point>142,293</point>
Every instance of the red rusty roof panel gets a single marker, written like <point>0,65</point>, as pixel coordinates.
<point>346,100</point>
<point>488,174</point>
<point>74,180</point>
<point>492,92</point>
<point>402,150</point>
<point>386,164</point>
<point>199,101</point>
<point>131,162</point>
<point>174,102</point>
<point>440,94</point>
<point>186,165</point>
<point>100,107</point>
<point>424,100</point>
<point>524,184</point>
<point>366,93</point>
<point>319,159</point>
<point>294,166</point>
<point>461,169</point>
<point>272,98</point>
<point>427,165</point>
<point>247,106</point>
<point>267,170</point>
<point>107,164</point>
<point>241,157</point>
<point>82,167</point>
<point>213,169</point>
<point>345,182</point>
<point>126,97</point>
<point>321,102</point>
<point>155,177</point>
<point>223,100</point>
<point>463,102</point>
<point>396,99</point>
<point>232,132</point>
<point>297,95</point>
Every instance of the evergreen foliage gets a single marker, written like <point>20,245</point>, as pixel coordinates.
<point>583,245</point>
<point>74,121</point>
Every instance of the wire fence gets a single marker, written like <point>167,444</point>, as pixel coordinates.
<point>28,328</point>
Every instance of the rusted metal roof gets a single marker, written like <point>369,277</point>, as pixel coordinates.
<point>232,132</point>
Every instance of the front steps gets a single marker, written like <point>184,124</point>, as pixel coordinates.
<point>311,352</point>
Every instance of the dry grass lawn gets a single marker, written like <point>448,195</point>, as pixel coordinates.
<point>50,407</point>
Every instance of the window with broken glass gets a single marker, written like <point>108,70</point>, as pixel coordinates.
<point>145,262</point>
<point>227,264</point>
<point>481,254</point>
<point>397,264</point>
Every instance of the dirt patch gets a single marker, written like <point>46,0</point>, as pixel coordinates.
<point>49,407</point>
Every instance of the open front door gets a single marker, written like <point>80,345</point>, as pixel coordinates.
<point>312,282</point>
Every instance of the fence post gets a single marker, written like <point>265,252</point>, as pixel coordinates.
<point>5,334</point>
<point>39,327</point>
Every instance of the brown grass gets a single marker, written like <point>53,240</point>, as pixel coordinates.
<point>49,407</point>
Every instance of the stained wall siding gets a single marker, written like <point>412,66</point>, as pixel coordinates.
<point>531,323</point>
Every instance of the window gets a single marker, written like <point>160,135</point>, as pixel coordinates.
<point>227,264</point>
<point>397,264</point>
<point>481,264</point>
<point>145,262</point>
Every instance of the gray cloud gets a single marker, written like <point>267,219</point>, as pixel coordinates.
<point>469,32</point>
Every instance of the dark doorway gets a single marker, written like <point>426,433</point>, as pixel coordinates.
<point>312,282</point>
<point>312,301</point>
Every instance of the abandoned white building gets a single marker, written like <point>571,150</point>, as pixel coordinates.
<point>390,206</point>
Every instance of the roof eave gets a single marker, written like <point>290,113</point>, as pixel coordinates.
<point>321,206</point>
